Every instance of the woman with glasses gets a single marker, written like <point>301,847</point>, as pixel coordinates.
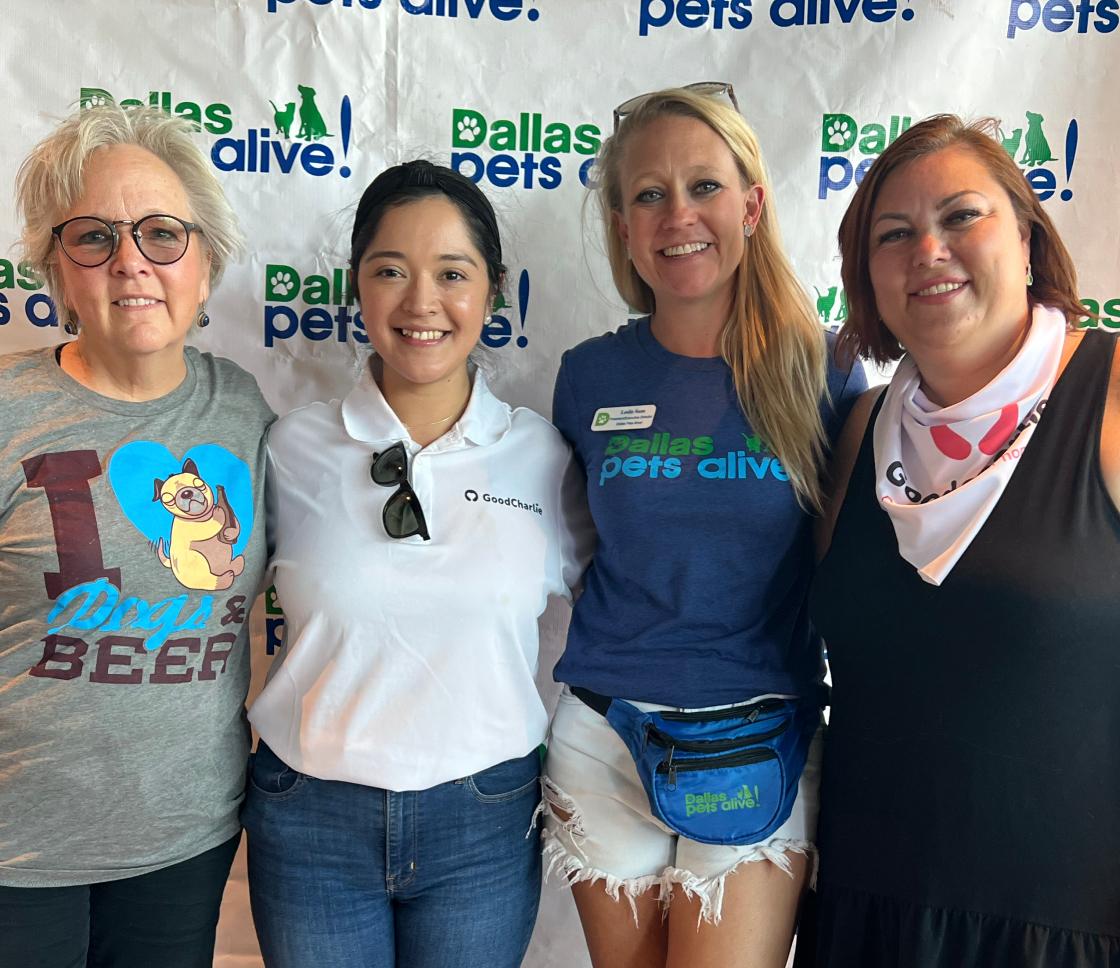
<point>421,525</point>
<point>700,429</point>
<point>131,476</point>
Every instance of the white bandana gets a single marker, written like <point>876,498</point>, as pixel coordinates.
<point>940,471</point>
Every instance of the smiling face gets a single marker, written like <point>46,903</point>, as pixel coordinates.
<point>948,259</point>
<point>130,306</point>
<point>424,291</point>
<point>684,206</point>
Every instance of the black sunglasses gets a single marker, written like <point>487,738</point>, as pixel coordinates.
<point>402,515</point>
<point>707,88</point>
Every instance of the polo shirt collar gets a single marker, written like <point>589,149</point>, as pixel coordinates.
<point>367,416</point>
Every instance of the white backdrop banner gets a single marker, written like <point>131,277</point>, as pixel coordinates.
<point>300,103</point>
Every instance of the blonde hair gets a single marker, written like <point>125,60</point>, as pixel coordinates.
<point>772,341</point>
<point>50,180</point>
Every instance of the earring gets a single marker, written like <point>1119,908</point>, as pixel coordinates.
<point>202,320</point>
<point>486,320</point>
<point>748,230</point>
<point>1030,276</point>
<point>71,324</point>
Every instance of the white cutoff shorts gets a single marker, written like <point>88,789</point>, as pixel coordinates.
<point>605,830</point>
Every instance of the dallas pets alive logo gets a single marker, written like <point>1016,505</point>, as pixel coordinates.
<point>1044,151</point>
<point>321,305</point>
<point>303,136</point>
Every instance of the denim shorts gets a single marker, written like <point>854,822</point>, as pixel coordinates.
<point>608,833</point>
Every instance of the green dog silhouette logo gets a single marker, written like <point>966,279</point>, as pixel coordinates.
<point>312,127</point>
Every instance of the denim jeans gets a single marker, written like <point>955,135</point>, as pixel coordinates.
<point>165,918</point>
<point>349,876</point>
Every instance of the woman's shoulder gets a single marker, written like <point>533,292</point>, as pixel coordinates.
<point>532,429</point>
<point>19,367</point>
<point>596,350</point>
<point>308,423</point>
<point>232,379</point>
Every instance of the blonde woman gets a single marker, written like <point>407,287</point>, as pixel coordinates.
<point>701,429</point>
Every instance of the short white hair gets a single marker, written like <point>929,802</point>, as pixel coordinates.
<point>50,180</point>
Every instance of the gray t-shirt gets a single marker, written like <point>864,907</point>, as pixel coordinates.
<point>131,547</point>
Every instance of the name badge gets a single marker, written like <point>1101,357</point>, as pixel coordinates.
<point>624,418</point>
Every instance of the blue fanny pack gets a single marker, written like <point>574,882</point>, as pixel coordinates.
<point>720,776</point>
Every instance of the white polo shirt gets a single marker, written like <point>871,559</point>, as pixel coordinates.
<point>408,662</point>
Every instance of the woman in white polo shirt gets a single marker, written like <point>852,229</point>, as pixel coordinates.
<point>420,529</point>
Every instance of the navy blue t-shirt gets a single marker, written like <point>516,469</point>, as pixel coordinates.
<point>696,594</point>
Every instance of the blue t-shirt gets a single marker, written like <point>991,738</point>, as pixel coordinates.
<point>696,594</point>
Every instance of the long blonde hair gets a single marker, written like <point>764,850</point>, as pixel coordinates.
<point>772,341</point>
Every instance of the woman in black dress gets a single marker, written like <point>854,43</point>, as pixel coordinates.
<point>968,598</point>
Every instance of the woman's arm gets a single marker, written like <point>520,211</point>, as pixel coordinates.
<point>1110,434</point>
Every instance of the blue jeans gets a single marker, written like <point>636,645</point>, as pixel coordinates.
<point>349,876</point>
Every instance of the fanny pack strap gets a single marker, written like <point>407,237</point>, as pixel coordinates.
<point>591,699</point>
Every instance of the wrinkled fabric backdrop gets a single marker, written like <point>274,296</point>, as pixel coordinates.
<point>301,102</point>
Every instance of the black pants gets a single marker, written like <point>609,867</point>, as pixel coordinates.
<point>165,919</point>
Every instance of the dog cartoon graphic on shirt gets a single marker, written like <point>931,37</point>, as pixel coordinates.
<point>203,531</point>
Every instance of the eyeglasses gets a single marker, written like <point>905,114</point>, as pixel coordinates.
<point>707,88</point>
<point>402,515</point>
<point>89,241</point>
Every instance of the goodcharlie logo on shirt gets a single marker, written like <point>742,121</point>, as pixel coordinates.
<point>473,497</point>
<point>663,456</point>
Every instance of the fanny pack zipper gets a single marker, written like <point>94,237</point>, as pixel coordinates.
<point>733,759</point>
<point>712,745</point>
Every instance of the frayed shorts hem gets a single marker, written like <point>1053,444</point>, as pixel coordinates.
<point>598,825</point>
<point>565,868</point>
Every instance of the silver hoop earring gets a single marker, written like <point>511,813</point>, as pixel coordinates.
<point>202,320</point>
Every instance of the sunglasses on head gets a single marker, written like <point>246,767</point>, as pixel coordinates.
<point>402,515</point>
<point>707,88</point>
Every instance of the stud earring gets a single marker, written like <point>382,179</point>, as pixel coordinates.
<point>486,320</point>
<point>1030,276</point>
<point>748,230</point>
<point>202,320</point>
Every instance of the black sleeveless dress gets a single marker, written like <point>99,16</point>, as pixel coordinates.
<point>970,804</point>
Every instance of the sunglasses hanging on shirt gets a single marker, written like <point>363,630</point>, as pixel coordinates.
<point>402,515</point>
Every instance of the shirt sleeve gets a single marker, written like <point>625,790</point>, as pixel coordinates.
<point>577,538</point>
<point>577,531</point>
<point>847,383</point>
<point>564,415</point>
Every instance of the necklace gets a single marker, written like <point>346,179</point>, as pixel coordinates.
<point>411,426</point>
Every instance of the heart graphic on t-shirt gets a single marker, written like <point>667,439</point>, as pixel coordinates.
<point>136,467</point>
